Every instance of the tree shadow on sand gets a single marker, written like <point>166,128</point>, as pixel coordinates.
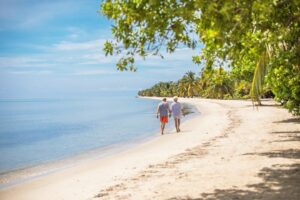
<point>287,136</point>
<point>279,182</point>
<point>289,153</point>
<point>286,132</point>
<point>290,120</point>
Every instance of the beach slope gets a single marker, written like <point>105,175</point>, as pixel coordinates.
<point>230,151</point>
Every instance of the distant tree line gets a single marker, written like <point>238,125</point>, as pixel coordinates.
<point>211,83</point>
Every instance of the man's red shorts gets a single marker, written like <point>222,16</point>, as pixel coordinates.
<point>164,119</point>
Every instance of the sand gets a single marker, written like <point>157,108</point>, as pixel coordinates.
<point>229,151</point>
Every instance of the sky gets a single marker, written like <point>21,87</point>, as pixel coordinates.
<point>53,49</point>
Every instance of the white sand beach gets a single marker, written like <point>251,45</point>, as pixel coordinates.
<point>230,151</point>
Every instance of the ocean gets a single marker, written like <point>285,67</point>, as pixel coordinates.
<point>36,131</point>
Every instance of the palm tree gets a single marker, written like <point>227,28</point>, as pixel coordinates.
<point>189,83</point>
<point>182,90</point>
<point>221,84</point>
<point>216,83</point>
<point>204,81</point>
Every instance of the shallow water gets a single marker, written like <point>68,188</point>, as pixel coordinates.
<point>36,131</point>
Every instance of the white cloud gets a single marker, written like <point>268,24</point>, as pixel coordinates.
<point>180,57</point>
<point>64,53</point>
<point>70,57</point>
<point>93,72</point>
<point>42,72</point>
<point>75,33</point>
<point>23,61</point>
<point>92,45</point>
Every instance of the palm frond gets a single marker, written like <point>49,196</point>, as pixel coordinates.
<point>258,78</point>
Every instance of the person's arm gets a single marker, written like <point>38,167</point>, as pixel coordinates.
<point>181,111</point>
<point>170,111</point>
<point>157,111</point>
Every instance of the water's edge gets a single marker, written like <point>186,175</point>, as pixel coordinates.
<point>19,176</point>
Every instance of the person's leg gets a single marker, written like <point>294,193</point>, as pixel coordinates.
<point>178,124</point>
<point>162,127</point>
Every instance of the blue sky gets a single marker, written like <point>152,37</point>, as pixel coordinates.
<point>54,49</point>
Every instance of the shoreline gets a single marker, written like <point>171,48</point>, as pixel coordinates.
<point>221,154</point>
<point>27,174</point>
<point>23,175</point>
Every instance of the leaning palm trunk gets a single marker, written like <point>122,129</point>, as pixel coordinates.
<point>258,78</point>
<point>190,90</point>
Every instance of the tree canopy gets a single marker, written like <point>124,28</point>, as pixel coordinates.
<point>258,39</point>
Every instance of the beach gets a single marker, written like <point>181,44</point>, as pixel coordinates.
<point>232,150</point>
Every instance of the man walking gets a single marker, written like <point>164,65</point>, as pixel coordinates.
<point>163,110</point>
<point>176,111</point>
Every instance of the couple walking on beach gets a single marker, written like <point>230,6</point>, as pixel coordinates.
<point>164,111</point>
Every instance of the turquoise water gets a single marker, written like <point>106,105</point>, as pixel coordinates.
<point>35,131</point>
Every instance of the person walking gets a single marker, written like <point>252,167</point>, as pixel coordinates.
<point>163,110</point>
<point>176,111</point>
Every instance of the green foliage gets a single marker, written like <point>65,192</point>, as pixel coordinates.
<point>212,84</point>
<point>185,87</point>
<point>255,38</point>
<point>242,90</point>
<point>218,84</point>
<point>143,27</point>
<point>285,84</point>
<point>161,89</point>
